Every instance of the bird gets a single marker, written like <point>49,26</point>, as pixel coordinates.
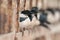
<point>28,13</point>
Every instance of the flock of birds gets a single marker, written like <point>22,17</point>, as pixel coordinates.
<point>47,16</point>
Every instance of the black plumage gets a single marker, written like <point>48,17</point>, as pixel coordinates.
<point>28,13</point>
<point>34,10</point>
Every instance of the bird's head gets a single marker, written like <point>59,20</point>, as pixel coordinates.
<point>28,13</point>
<point>25,12</point>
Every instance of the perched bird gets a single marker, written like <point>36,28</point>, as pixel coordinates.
<point>28,13</point>
<point>34,11</point>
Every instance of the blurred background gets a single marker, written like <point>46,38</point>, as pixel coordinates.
<point>10,26</point>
